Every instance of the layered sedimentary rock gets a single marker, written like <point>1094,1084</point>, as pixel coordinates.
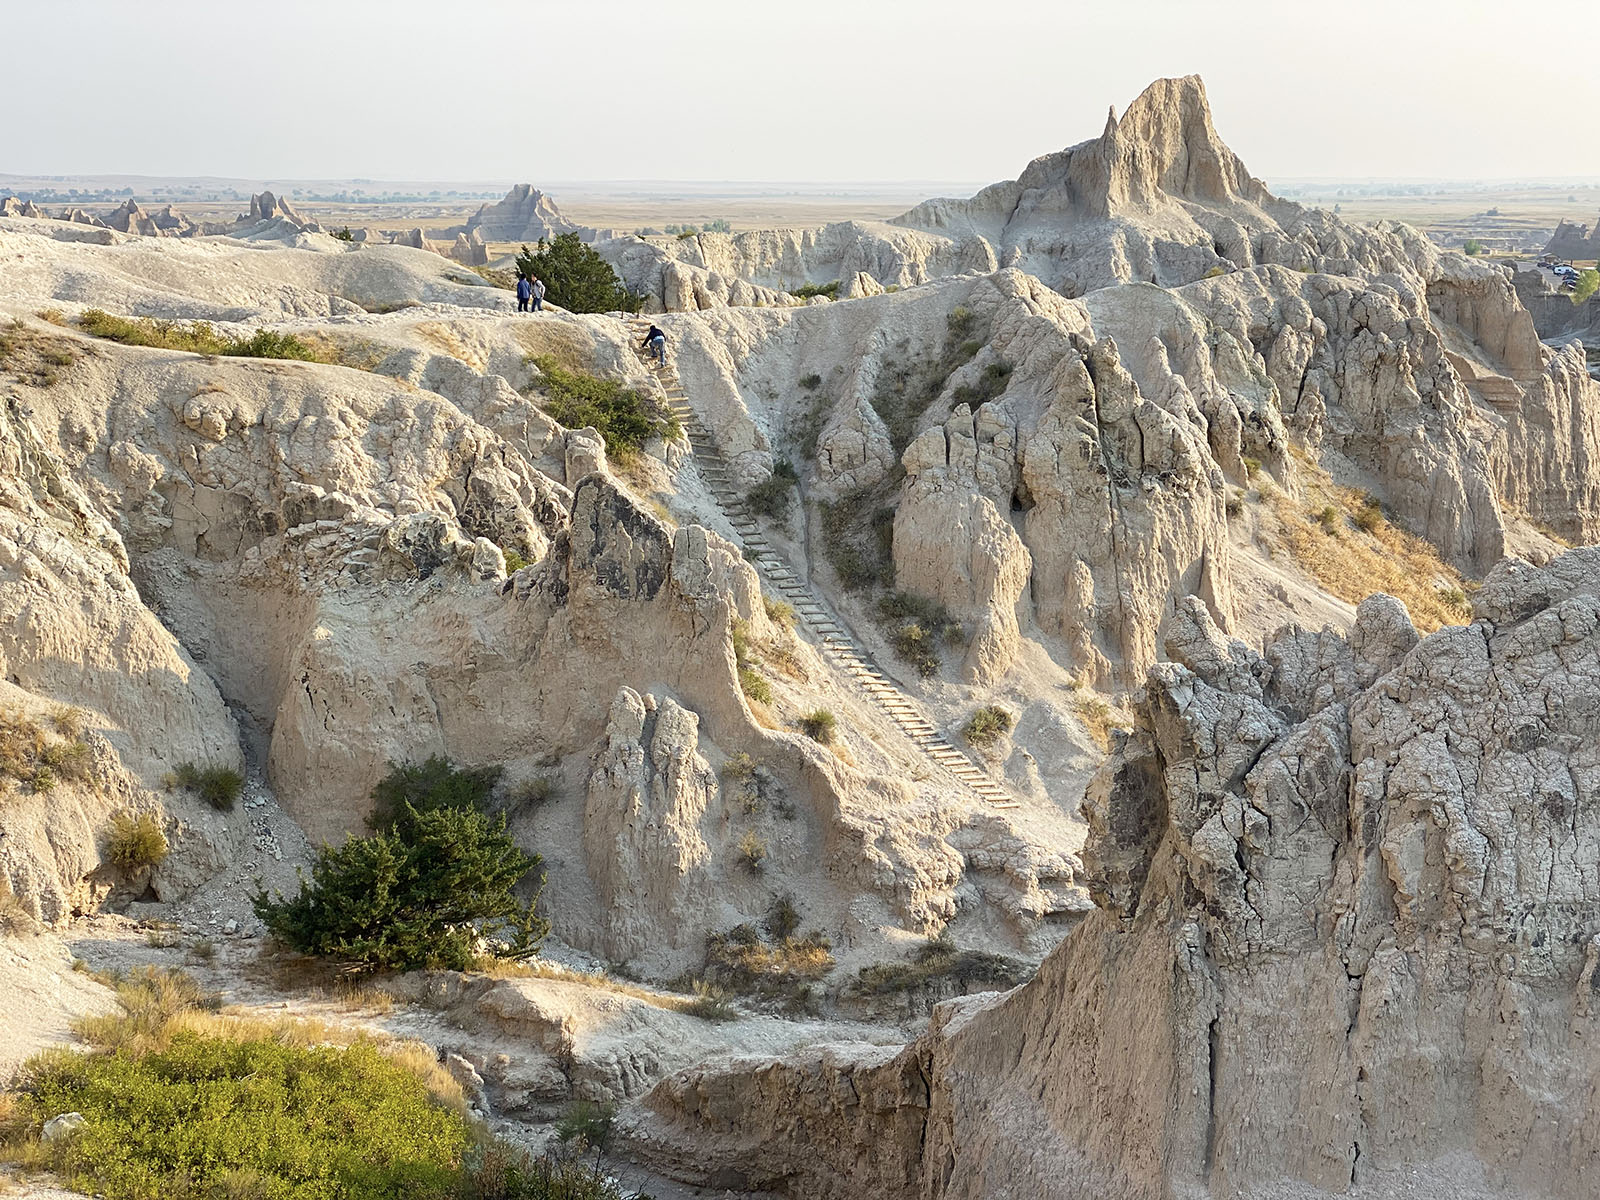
<point>525,215</point>
<point>1346,943</point>
<point>1574,241</point>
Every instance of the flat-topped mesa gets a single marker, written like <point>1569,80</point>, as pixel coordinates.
<point>525,215</point>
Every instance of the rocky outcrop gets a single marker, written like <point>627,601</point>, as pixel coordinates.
<point>10,206</point>
<point>648,795</point>
<point>131,218</point>
<point>525,215</point>
<point>951,543</point>
<point>75,634</point>
<point>267,207</point>
<point>1345,943</point>
<point>469,249</point>
<point>1574,241</point>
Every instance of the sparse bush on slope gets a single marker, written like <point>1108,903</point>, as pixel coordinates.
<point>626,418</point>
<point>197,337</point>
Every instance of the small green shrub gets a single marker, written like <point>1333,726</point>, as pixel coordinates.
<point>587,1122</point>
<point>858,540</point>
<point>1588,285</point>
<point>830,290</point>
<point>811,382</point>
<point>219,787</point>
<point>1234,504</point>
<point>773,496</point>
<point>43,780</point>
<point>534,791</point>
<point>992,381</point>
<point>940,959</point>
<point>514,561</point>
<point>779,612</point>
<point>739,768</point>
<point>1369,517</point>
<point>987,725</point>
<point>819,725</point>
<point>783,919</point>
<point>916,627</point>
<point>777,969</point>
<point>753,850</point>
<point>1218,269</point>
<point>135,842</point>
<point>1329,519</point>
<point>625,418</point>
<point>710,1003</point>
<point>754,685</point>
<point>68,721</point>
<point>265,343</point>
<point>344,235</point>
<point>1472,247</point>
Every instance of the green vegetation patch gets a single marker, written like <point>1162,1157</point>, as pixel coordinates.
<point>987,725</point>
<point>830,290</point>
<point>38,757</point>
<point>575,277</point>
<point>780,969</point>
<point>135,841</point>
<point>917,627</point>
<point>213,1117</point>
<point>437,875</point>
<point>774,496</point>
<point>197,337</point>
<point>941,960</point>
<point>625,418</point>
<point>217,786</point>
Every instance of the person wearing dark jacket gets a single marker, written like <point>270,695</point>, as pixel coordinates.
<point>524,291</point>
<point>656,342</point>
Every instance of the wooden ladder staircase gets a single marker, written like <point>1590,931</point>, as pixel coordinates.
<point>839,645</point>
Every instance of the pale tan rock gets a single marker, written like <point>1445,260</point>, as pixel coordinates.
<point>648,796</point>
<point>1336,950</point>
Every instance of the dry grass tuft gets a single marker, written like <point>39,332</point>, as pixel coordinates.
<point>1098,719</point>
<point>1342,539</point>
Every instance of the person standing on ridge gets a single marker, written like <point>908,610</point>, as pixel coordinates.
<point>656,343</point>
<point>524,291</point>
<point>537,293</point>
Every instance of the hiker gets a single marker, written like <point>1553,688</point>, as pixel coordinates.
<point>524,290</point>
<point>538,294</point>
<point>656,342</point>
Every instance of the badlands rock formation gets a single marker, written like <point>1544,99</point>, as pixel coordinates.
<point>1574,241</point>
<point>1345,943</point>
<point>525,215</point>
<point>357,522</point>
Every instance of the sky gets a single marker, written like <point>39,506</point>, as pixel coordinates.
<point>824,90</point>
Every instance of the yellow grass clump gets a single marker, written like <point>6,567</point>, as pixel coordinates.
<point>1342,539</point>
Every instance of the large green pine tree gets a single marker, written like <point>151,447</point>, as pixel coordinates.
<point>575,277</point>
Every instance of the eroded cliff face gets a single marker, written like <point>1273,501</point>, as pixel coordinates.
<point>1346,940</point>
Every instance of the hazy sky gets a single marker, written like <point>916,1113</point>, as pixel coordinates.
<point>802,90</point>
